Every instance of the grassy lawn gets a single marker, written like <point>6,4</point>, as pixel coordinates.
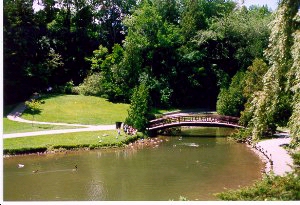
<point>68,141</point>
<point>79,109</point>
<point>18,127</point>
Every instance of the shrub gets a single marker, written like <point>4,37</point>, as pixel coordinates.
<point>296,157</point>
<point>269,188</point>
<point>92,85</point>
<point>241,135</point>
<point>67,89</point>
<point>24,150</point>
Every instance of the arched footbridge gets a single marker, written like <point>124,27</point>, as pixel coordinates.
<point>201,120</point>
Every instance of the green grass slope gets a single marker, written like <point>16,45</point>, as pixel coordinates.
<point>80,140</point>
<point>78,109</point>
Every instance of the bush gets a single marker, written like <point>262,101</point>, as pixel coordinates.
<point>92,85</point>
<point>242,135</point>
<point>296,157</point>
<point>270,188</point>
<point>24,150</point>
<point>67,89</point>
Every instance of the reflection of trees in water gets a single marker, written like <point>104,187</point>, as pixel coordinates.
<point>125,153</point>
<point>119,153</point>
<point>206,131</point>
<point>96,190</point>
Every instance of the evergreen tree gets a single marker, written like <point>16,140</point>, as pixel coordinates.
<point>253,84</point>
<point>231,101</point>
<point>138,113</point>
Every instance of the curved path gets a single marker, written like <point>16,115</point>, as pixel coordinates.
<point>273,150</point>
<point>15,114</point>
<point>50,132</point>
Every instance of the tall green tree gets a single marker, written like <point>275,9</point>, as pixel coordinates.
<point>169,10</point>
<point>234,40</point>
<point>20,34</point>
<point>294,83</point>
<point>105,77</point>
<point>231,101</point>
<point>253,84</point>
<point>271,107</point>
<point>138,113</point>
<point>109,16</point>
<point>150,51</point>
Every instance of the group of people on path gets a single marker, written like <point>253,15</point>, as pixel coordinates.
<point>129,130</point>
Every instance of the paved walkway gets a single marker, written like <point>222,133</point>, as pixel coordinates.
<point>15,114</point>
<point>273,150</point>
<point>50,132</point>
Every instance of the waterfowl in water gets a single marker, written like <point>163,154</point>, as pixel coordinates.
<point>35,171</point>
<point>21,165</point>
<point>75,168</point>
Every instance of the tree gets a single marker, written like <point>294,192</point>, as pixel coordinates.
<point>149,52</point>
<point>138,113</point>
<point>253,84</point>
<point>192,19</point>
<point>168,9</point>
<point>231,101</point>
<point>234,40</point>
<point>105,78</point>
<point>271,102</point>
<point>20,41</point>
<point>294,84</point>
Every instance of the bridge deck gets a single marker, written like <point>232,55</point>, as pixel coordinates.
<point>208,120</point>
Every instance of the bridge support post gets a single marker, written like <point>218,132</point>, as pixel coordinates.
<point>152,133</point>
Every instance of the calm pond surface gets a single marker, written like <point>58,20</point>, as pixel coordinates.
<point>196,166</point>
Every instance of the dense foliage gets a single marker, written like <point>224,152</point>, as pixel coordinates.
<point>270,188</point>
<point>48,46</point>
<point>231,101</point>
<point>272,104</point>
<point>272,90</point>
<point>184,50</point>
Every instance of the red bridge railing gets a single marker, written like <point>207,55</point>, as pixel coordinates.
<point>197,120</point>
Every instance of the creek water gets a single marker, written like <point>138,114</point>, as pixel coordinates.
<point>196,165</point>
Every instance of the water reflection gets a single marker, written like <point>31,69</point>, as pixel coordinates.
<point>96,191</point>
<point>195,167</point>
